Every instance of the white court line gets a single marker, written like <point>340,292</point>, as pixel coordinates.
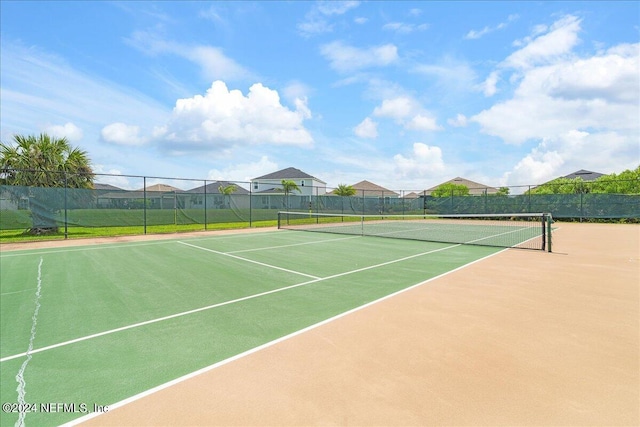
<point>249,260</point>
<point>101,246</point>
<point>95,247</point>
<point>294,244</point>
<point>264,346</point>
<point>16,292</point>
<point>22,383</point>
<point>185,313</point>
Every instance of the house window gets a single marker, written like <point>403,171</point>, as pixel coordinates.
<point>302,183</point>
<point>255,185</point>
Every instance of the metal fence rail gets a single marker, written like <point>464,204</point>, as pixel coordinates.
<point>155,201</point>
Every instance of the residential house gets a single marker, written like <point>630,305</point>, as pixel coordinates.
<point>369,189</point>
<point>475,188</point>
<point>272,182</point>
<point>269,187</point>
<point>158,196</point>
<point>215,197</point>
<point>584,174</point>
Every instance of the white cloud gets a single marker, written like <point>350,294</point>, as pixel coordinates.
<point>223,118</point>
<point>367,129</point>
<point>41,88</point>
<point>122,134</point>
<point>450,74</point>
<point>404,27</point>
<point>70,131</point>
<point>561,38</point>
<point>244,172</point>
<point>612,77</point>
<point>112,177</point>
<point>345,58</point>
<point>572,151</point>
<point>473,34</point>
<point>408,113</point>
<point>489,86</point>
<point>397,108</point>
<point>600,92</point>
<point>536,167</point>
<point>459,122</point>
<point>317,20</point>
<point>214,64</point>
<point>423,122</point>
<point>582,112</point>
<point>423,161</point>
<point>329,8</point>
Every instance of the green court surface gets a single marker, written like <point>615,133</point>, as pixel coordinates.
<point>94,325</point>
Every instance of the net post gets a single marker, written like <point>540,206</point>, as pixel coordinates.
<point>549,221</point>
<point>544,231</point>
<point>279,216</point>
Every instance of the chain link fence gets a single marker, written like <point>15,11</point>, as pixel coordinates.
<point>154,204</point>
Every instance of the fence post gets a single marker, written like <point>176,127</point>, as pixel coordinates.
<point>486,200</point>
<point>66,217</point>
<point>451,202</point>
<point>205,205</point>
<point>144,203</point>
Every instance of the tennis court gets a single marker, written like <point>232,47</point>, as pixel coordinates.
<point>86,329</point>
<point>94,325</point>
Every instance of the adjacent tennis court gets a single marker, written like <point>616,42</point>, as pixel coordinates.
<point>85,327</point>
<point>290,328</point>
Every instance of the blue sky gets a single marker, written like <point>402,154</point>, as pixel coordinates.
<point>403,94</point>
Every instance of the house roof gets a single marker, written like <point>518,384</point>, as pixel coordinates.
<point>412,195</point>
<point>107,187</point>
<point>272,190</point>
<point>288,173</point>
<point>474,187</point>
<point>367,186</point>
<point>584,174</point>
<point>370,186</point>
<point>162,187</point>
<point>214,188</point>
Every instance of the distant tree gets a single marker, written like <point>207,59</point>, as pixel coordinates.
<point>503,191</point>
<point>626,182</point>
<point>226,192</point>
<point>288,187</point>
<point>449,189</point>
<point>344,190</point>
<point>32,163</point>
<point>561,186</point>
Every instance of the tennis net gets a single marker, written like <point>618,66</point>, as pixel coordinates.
<point>527,231</point>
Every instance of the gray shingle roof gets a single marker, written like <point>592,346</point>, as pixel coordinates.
<point>288,173</point>
<point>370,186</point>
<point>108,187</point>
<point>584,174</point>
<point>474,187</point>
<point>214,188</point>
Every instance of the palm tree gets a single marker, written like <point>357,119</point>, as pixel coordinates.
<point>288,186</point>
<point>33,163</point>
<point>344,190</point>
<point>226,192</point>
